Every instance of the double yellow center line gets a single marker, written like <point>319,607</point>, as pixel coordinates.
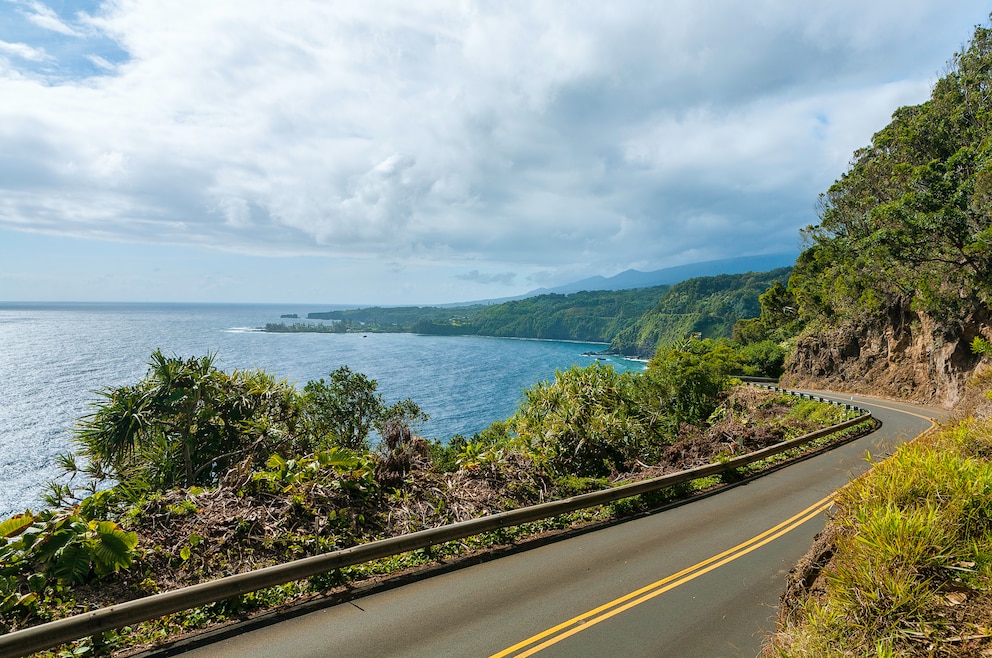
<point>552,636</point>
<point>575,625</point>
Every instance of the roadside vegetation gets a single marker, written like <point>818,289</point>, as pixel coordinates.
<point>905,567</point>
<point>193,473</point>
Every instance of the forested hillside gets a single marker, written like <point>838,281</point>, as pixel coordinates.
<point>634,322</point>
<point>595,316</point>
<point>895,283</point>
<point>708,306</point>
<point>398,318</point>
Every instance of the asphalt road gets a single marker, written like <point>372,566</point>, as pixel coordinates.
<point>702,579</point>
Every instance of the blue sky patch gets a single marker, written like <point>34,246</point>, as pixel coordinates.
<point>54,41</point>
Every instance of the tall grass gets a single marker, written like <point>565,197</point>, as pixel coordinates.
<point>913,541</point>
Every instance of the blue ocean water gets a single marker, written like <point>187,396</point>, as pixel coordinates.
<point>54,356</point>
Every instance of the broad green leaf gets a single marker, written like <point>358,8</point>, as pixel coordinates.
<point>37,582</point>
<point>72,564</point>
<point>15,525</point>
<point>49,546</point>
<point>341,459</point>
<point>112,547</point>
<point>15,600</point>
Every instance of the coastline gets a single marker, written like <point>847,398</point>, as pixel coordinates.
<point>57,357</point>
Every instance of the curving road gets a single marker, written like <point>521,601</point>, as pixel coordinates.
<point>702,579</point>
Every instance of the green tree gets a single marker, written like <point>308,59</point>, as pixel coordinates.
<point>344,410</point>
<point>910,223</point>
<point>684,380</point>
<point>778,321</point>
<point>764,358</point>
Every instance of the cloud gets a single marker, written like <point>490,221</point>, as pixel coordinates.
<point>475,276</point>
<point>100,62</point>
<point>544,139</point>
<point>23,51</point>
<point>46,18</point>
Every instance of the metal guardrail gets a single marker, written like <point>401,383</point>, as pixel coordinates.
<point>56,633</point>
<point>757,380</point>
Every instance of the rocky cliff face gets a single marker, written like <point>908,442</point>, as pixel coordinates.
<point>901,353</point>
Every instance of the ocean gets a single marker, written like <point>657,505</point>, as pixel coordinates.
<point>53,357</point>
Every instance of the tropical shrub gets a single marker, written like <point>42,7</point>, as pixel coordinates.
<point>45,553</point>
<point>684,381</point>
<point>585,422</point>
<point>185,423</point>
<point>283,473</point>
<point>762,359</point>
<point>342,410</point>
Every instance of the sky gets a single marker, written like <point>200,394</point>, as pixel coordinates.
<point>382,152</point>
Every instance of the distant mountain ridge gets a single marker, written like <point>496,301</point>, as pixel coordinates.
<point>671,275</point>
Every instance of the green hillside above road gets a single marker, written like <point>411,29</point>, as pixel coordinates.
<point>909,223</point>
<point>892,296</point>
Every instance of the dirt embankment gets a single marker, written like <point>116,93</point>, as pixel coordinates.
<point>901,353</point>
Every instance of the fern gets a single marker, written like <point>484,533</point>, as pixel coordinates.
<point>981,347</point>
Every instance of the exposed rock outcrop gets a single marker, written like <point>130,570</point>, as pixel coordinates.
<point>901,353</point>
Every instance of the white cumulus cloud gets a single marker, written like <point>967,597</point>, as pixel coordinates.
<point>533,139</point>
